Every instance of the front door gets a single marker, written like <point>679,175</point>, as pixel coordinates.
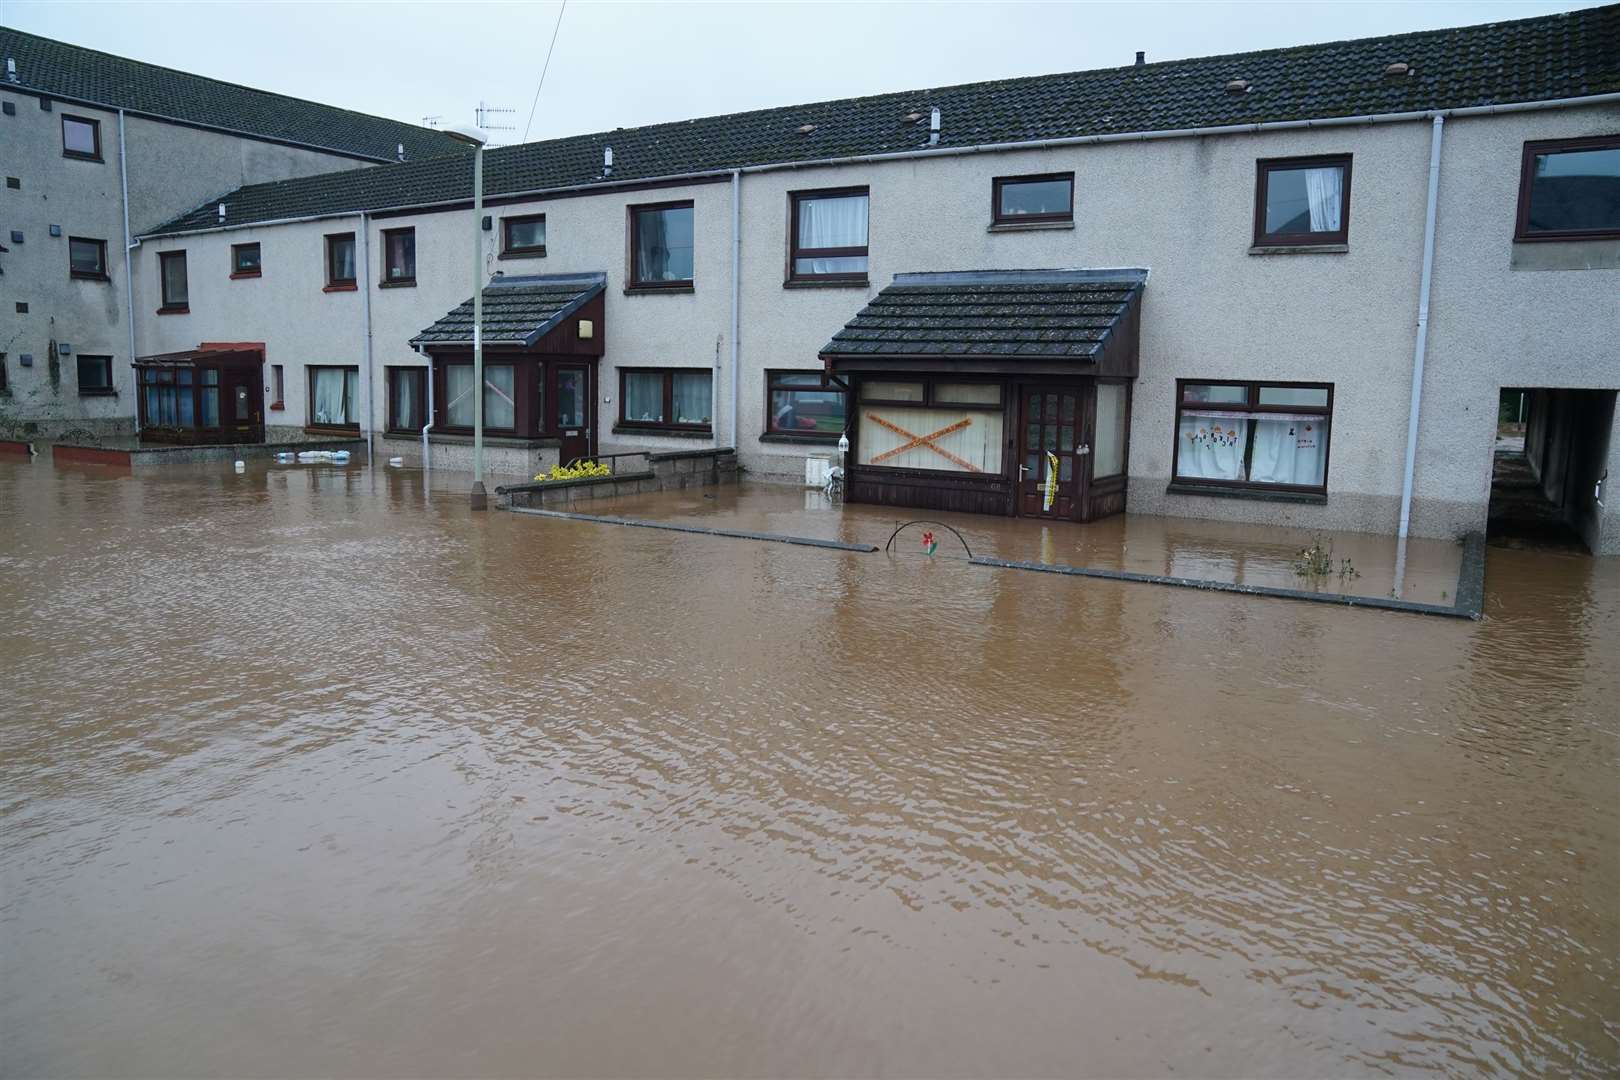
<point>1052,455</point>
<point>242,404</point>
<point>574,412</point>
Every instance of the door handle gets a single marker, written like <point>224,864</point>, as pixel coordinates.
<point>1022,469</point>
<point>1082,449</point>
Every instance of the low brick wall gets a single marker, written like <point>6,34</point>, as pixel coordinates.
<point>664,471</point>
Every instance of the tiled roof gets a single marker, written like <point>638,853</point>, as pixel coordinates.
<point>1557,56</point>
<point>58,69</point>
<point>517,311</point>
<point>1035,314</point>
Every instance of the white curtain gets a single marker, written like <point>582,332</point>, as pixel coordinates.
<point>1108,455</point>
<point>692,391</point>
<point>644,397</point>
<point>1323,188</point>
<point>331,400</point>
<point>405,403</point>
<point>1289,450</point>
<point>1211,446</point>
<point>500,400</point>
<point>458,387</point>
<point>832,223</point>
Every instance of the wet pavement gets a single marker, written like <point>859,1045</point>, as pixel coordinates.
<point>311,771</point>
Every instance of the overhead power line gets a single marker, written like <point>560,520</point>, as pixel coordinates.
<point>545,68</point>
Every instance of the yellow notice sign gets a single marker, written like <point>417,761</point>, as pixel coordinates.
<point>1051,481</point>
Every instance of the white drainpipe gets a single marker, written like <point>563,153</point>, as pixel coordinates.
<point>129,267</point>
<point>1413,410</point>
<point>736,295</point>
<point>365,307</point>
<point>427,453</point>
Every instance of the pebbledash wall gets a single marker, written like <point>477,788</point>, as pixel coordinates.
<point>1502,315</point>
<point>171,168</point>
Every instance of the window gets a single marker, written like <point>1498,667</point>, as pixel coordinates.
<point>278,387</point>
<point>1018,200</point>
<point>1570,190</point>
<point>676,398</point>
<point>340,261</point>
<point>828,231</point>
<point>334,394</point>
<point>1302,201</point>
<point>1113,424</point>
<point>179,397</point>
<point>87,258</point>
<point>399,256</point>
<point>937,425</point>
<point>500,398</point>
<point>172,277</point>
<point>661,240</point>
<point>244,260</point>
<point>524,235</point>
<point>1255,435</point>
<point>81,138</point>
<point>95,376</point>
<point>407,398</point>
<point>799,403</point>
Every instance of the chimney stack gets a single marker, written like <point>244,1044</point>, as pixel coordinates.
<point>1141,57</point>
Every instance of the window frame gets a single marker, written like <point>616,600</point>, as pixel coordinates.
<point>309,402</point>
<point>633,282</point>
<point>278,387</point>
<point>930,398</point>
<point>1252,407</point>
<point>388,280</point>
<point>800,434</point>
<point>236,270</point>
<point>98,274</point>
<point>109,390</point>
<point>531,251</point>
<point>421,373</point>
<point>167,307</point>
<point>1262,179</point>
<point>441,401</point>
<point>667,424</point>
<point>795,252</point>
<point>336,284</point>
<point>1527,156</point>
<point>1000,182</point>
<point>95,134</point>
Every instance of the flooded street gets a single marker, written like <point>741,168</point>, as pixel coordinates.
<point>308,771</point>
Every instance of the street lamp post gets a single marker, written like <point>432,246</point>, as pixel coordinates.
<point>477,137</point>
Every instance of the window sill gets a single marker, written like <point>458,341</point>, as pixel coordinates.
<point>828,283</point>
<point>812,439</point>
<point>331,429</point>
<point>668,432</point>
<point>85,275</point>
<point>180,309</point>
<point>350,287</point>
<point>246,274</point>
<point>71,156</point>
<point>1566,238</point>
<point>1028,226</point>
<point>523,253</point>
<point>1223,492</point>
<point>278,407</point>
<point>1299,249</point>
<point>402,283</point>
<point>464,437</point>
<point>653,290</point>
<point>98,392</point>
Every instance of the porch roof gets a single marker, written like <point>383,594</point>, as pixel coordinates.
<point>518,311</point>
<point>1035,316</point>
<point>190,357</point>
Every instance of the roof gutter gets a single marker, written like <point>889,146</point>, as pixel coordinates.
<point>954,151</point>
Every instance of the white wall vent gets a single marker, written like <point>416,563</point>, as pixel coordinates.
<point>816,469</point>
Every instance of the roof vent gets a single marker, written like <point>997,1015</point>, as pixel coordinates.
<point>933,127</point>
<point>1141,57</point>
<point>399,152</point>
<point>222,213</point>
<point>11,70</point>
<point>607,161</point>
<point>1238,86</point>
<point>912,117</point>
<point>1399,67</point>
<point>805,129</point>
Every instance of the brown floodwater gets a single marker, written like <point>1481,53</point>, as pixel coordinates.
<point>313,771</point>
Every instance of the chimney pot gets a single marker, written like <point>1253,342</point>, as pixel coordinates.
<point>1141,57</point>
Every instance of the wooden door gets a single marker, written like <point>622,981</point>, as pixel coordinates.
<point>241,404</point>
<point>1052,427</point>
<point>574,412</point>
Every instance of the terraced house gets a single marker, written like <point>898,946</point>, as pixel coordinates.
<point>1284,286</point>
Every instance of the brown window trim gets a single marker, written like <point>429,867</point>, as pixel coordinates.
<point>238,275</point>
<point>666,426</point>
<point>632,283</point>
<point>95,128</point>
<point>1248,488</point>
<point>421,373</point>
<point>1264,166</point>
<point>532,251</point>
<point>168,307</point>
<point>386,280</point>
<point>930,398</point>
<point>1521,228</point>
<point>309,400</point>
<point>333,284</point>
<point>98,391</point>
<point>88,275</point>
<point>800,434</point>
<point>179,309</point>
<point>795,252</point>
<point>998,218</point>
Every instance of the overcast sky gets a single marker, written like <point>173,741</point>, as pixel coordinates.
<point>624,64</point>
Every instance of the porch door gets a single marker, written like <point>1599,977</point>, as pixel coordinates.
<point>1052,418</point>
<point>241,404</point>
<point>574,412</point>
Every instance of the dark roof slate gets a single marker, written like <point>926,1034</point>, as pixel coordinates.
<point>58,69</point>
<point>1067,314</point>
<point>1557,56</point>
<point>517,311</point>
